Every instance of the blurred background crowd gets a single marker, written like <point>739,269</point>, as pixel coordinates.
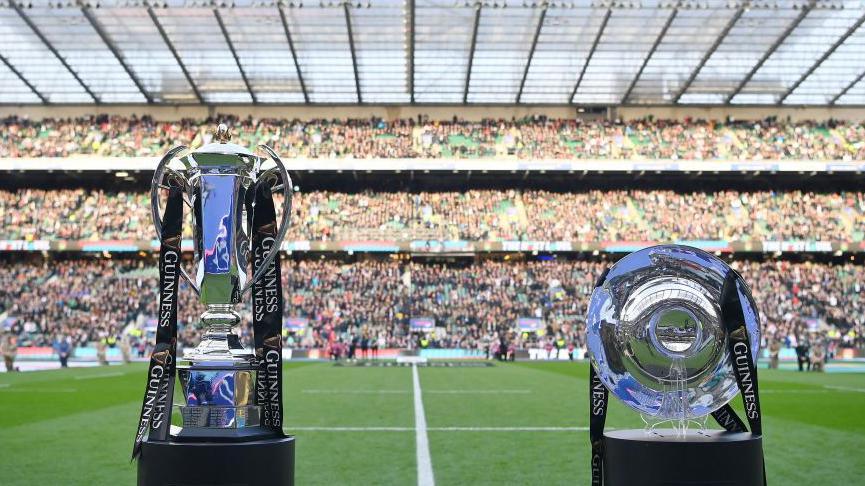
<point>474,303</point>
<point>590,216</point>
<point>535,137</point>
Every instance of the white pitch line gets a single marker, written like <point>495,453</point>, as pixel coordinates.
<point>356,392</point>
<point>480,392</point>
<point>424,462</point>
<point>351,429</point>
<point>508,429</point>
<point>845,388</point>
<point>434,429</point>
<point>100,375</point>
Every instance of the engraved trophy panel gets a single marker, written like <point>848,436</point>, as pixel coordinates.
<point>218,376</point>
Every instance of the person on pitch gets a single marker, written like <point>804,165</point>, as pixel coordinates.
<point>9,349</point>
<point>63,349</point>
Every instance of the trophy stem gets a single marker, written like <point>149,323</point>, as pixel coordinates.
<point>219,343</point>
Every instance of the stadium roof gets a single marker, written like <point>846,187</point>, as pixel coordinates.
<point>580,52</point>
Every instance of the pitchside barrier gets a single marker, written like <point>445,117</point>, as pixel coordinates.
<point>457,246</point>
<point>88,353</point>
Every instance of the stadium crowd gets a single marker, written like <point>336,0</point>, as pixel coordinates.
<point>590,216</point>
<point>534,137</point>
<point>473,303</point>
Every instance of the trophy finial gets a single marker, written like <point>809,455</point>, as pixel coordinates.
<point>222,133</point>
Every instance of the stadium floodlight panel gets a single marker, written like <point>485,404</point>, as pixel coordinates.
<point>429,52</point>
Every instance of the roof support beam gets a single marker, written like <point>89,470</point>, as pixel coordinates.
<point>789,30</point>
<point>353,53</point>
<point>591,53</point>
<point>847,88</point>
<point>532,52</point>
<point>293,52</point>
<point>171,48</point>
<point>411,29</point>
<point>234,54</point>
<point>474,44</point>
<point>23,79</point>
<point>823,58</point>
<point>651,53</point>
<point>718,41</point>
<point>53,50</point>
<point>114,50</point>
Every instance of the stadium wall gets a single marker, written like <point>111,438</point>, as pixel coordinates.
<point>438,112</point>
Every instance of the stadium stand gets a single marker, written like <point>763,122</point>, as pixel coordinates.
<point>471,302</point>
<point>476,215</point>
<point>531,137</point>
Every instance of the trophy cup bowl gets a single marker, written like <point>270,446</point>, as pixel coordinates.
<point>658,342</point>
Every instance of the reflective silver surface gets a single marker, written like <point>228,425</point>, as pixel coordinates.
<point>655,335</point>
<point>218,376</point>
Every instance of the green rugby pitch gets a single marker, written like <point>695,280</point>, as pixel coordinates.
<point>511,423</point>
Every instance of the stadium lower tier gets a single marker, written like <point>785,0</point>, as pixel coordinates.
<point>474,215</point>
<point>392,302</point>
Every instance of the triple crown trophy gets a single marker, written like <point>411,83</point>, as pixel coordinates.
<point>231,429</point>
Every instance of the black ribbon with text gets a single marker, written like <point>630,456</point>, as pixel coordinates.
<point>267,307</point>
<point>154,422</point>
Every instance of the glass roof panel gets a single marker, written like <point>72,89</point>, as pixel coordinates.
<point>805,44</point>
<point>136,36</point>
<point>626,41</point>
<point>443,36</point>
<point>381,45</point>
<point>503,44</point>
<point>14,90</point>
<point>198,40</point>
<point>834,74</point>
<point>72,35</point>
<point>39,66</point>
<point>259,38</point>
<point>320,39</point>
<point>691,34</point>
<point>855,95</point>
<point>563,46</point>
<point>740,51</point>
<point>442,47</point>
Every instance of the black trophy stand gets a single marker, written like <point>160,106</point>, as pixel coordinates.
<point>174,462</point>
<point>660,458</point>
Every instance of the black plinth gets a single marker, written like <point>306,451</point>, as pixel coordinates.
<point>712,457</point>
<point>267,462</point>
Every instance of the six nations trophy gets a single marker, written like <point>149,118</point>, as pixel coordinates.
<point>673,333</point>
<point>232,416</point>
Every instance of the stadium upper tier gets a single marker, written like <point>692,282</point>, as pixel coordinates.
<point>87,298</point>
<point>526,139</point>
<point>473,215</point>
<point>584,52</point>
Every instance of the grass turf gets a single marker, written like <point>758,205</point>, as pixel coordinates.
<point>76,426</point>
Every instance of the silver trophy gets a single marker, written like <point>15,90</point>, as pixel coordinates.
<point>218,377</point>
<point>656,337</point>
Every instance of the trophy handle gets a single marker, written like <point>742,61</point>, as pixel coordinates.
<point>158,175</point>
<point>283,226</point>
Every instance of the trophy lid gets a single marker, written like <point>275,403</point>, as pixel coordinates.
<point>222,145</point>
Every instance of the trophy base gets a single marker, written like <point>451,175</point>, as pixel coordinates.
<point>710,457</point>
<point>261,462</point>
